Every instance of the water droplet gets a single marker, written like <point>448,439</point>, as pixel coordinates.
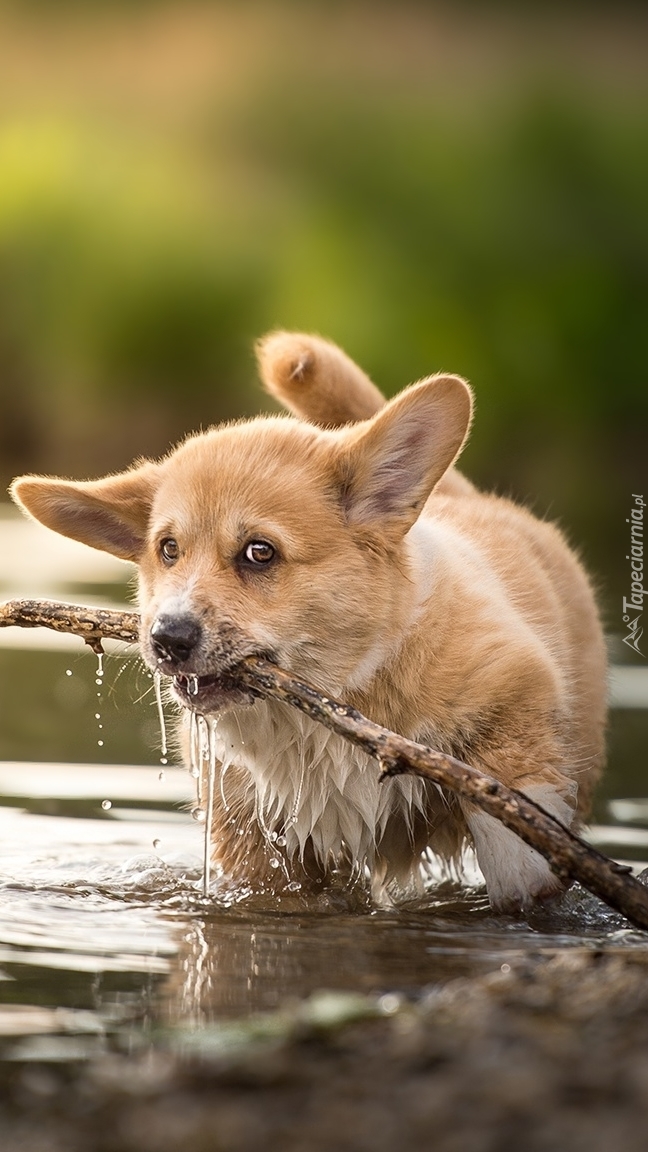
<point>194,772</point>
<point>100,743</point>
<point>160,775</point>
<point>294,886</point>
<point>100,725</point>
<point>156,843</point>
<point>163,760</point>
<point>68,671</point>
<point>99,682</point>
<point>97,715</point>
<point>240,832</point>
<point>274,863</point>
<point>106,805</point>
<point>281,841</point>
<point>272,836</point>
<point>198,814</point>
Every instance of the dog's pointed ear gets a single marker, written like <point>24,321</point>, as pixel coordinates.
<point>110,514</point>
<point>389,466</point>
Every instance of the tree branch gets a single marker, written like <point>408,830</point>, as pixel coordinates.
<point>92,624</point>
<point>568,856</point>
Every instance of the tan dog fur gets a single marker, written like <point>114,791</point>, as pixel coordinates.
<point>453,617</point>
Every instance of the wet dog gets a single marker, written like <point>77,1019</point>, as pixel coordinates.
<point>345,546</point>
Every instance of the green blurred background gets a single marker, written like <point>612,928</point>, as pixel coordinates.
<point>455,187</point>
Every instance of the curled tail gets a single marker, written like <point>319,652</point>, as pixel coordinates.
<point>318,382</point>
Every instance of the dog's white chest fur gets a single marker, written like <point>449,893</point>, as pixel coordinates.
<point>311,784</point>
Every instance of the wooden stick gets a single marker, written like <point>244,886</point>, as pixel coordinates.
<point>92,624</point>
<point>568,856</point>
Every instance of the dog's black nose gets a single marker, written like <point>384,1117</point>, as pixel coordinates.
<point>175,637</point>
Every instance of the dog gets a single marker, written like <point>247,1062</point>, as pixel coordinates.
<point>346,546</point>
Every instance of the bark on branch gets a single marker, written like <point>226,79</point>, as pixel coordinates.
<point>568,856</point>
<point>92,624</point>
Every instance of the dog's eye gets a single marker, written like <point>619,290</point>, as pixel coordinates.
<point>259,552</point>
<point>169,550</point>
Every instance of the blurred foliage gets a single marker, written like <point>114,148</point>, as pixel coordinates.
<point>496,230</point>
<point>123,307</point>
<point>513,251</point>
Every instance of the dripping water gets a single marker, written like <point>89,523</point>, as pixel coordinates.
<point>271,838</point>
<point>292,819</point>
<point>260,816</point>
<point>203,731</point>
<point>221,781</point>
<point>157,680</point>
<point>209,816</point>
<point>99,683</point>
<point>196,757</point>
<point>201,756</point>
<point>202,753</point>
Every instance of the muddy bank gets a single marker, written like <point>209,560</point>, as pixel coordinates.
<point>548,1055</point>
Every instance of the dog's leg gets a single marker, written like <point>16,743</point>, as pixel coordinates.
<point>515,874</point>
<point>242,849</point>
<point>239,849</point>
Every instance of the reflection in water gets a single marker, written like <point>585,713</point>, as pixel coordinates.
<point>234,961</point>
<point>231,963</point>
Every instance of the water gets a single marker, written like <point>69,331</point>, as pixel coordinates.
<point>209,808</point>
<point>102,912</point>
<point>157,680</point>
<point>111,923</point>
<point>104,924</point>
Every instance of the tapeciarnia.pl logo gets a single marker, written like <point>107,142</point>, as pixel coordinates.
<point>634,603</point>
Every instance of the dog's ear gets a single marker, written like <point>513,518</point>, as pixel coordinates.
<point>316,380</point>
<point>389,466</point>
<point>110,514</point>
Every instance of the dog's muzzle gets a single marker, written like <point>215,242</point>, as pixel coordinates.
<point>200,675</point>
<point>175,638</point>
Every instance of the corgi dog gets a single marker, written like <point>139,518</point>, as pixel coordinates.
<point>345,546</point>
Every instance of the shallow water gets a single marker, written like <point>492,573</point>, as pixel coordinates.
<point>105,935</point>
<point>102,934</point>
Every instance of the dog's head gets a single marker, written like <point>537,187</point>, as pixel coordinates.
<point>269,537</point>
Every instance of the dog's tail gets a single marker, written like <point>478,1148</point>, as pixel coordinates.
<point>315,380</point>
<point>318,382</point>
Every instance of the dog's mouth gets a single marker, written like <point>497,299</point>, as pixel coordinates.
<point>208,694</point>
